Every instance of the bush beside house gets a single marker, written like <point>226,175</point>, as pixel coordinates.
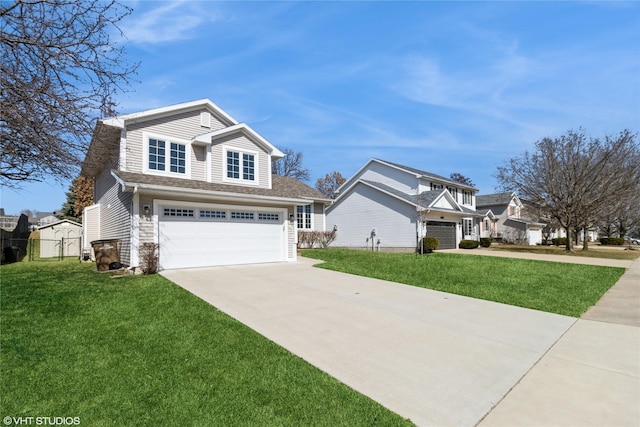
<point>468,244</point>
<point>429,244</point>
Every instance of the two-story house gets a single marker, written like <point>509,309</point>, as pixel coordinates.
<point>391,207</point>
<point>192,179</point>
<point>511,226</point>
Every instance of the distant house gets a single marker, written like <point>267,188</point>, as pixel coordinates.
<point>388,206</point>
<point>193,180</point>
<point>511,226</point>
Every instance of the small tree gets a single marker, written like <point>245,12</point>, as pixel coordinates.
<point>82,188</point>
<point>291,165</point>
<point>330,183</point>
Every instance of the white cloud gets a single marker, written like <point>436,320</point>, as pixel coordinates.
<point>176,20</point>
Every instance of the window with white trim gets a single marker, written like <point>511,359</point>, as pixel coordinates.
<point>304,216</point>
<point>467,226</point>
<point>166,156</point>
<point>467,197</point>
<point>241,166</point>
<point>177,158</point>
<point>156,154</point>
<point>177,212</point>
<point>436,187</point>
<point>454,192</point>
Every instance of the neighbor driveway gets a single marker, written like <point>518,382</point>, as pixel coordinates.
<point>436,358</point>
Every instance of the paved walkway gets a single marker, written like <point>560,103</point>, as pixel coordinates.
<point>436,358</point>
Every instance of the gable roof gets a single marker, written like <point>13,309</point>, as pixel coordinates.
<point>424,200</point>
<point>120,121</point>
<point>428,175</point>
<point>283,188</point>
<point>416,172</point>
<point>246,130</point>
<point>68,221</point>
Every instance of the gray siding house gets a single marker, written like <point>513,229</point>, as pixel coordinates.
<point>198,183</point>
<point>510,224</point>
<point>388,206</point>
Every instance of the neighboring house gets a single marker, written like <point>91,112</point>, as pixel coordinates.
<point>391,207</point>
<point>198,183</point>
<point>62,238</point>
<point>511,226</point>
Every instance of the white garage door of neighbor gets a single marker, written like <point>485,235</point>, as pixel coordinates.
<point>235,236</point>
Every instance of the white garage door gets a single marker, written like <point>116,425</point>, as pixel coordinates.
<point>220,235</point>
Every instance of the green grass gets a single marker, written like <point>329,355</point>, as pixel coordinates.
<point>142,351</point>
<point>561,288</point>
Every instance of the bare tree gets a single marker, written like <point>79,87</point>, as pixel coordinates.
<point>291,165</point>
<point>573,178</point>
<point>60,69</point>
<point>458,177</point>
<point>330,183</point>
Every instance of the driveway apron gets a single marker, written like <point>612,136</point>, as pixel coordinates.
<point>435,358</point>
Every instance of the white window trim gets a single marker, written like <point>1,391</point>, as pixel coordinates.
<point>256,166</point>
<point>311,217</point>
<point>168,140</point>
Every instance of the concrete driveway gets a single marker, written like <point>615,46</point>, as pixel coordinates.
<point>435,358</point>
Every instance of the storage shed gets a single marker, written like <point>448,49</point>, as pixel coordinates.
<point>62,238</point>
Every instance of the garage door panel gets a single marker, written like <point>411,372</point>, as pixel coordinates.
<point>194,242</point>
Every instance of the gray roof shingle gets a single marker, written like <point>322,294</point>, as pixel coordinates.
<point>282,186</point>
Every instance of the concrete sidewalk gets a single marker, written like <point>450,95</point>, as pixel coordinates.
<point>591,376</point>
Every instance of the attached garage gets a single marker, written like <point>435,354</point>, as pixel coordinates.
<point>213,235</point>
<point>445,232</point>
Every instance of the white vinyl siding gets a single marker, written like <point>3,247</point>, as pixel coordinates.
<point>366,209</point>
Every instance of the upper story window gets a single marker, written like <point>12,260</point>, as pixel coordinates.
<point>436,187</point>
<point>454,192</point>
<point>467,197</point>
<point>304,216</point>
<point>177,156</point>
<point>156,154</point>
<point>241,166</point>
<point>166,156</point>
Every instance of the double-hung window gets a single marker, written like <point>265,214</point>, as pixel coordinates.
<point>304,217</point>
<point>241,166</point>
<point>467,197</point>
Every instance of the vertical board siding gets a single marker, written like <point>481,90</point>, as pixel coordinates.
<point>115,214</point>
<point>365,209</point>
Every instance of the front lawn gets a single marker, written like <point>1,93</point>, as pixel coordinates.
<point>142,351</point>
<point>595,251</point>
<point>568,289</point>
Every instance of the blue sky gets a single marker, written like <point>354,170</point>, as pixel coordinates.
<point>441,86</point>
